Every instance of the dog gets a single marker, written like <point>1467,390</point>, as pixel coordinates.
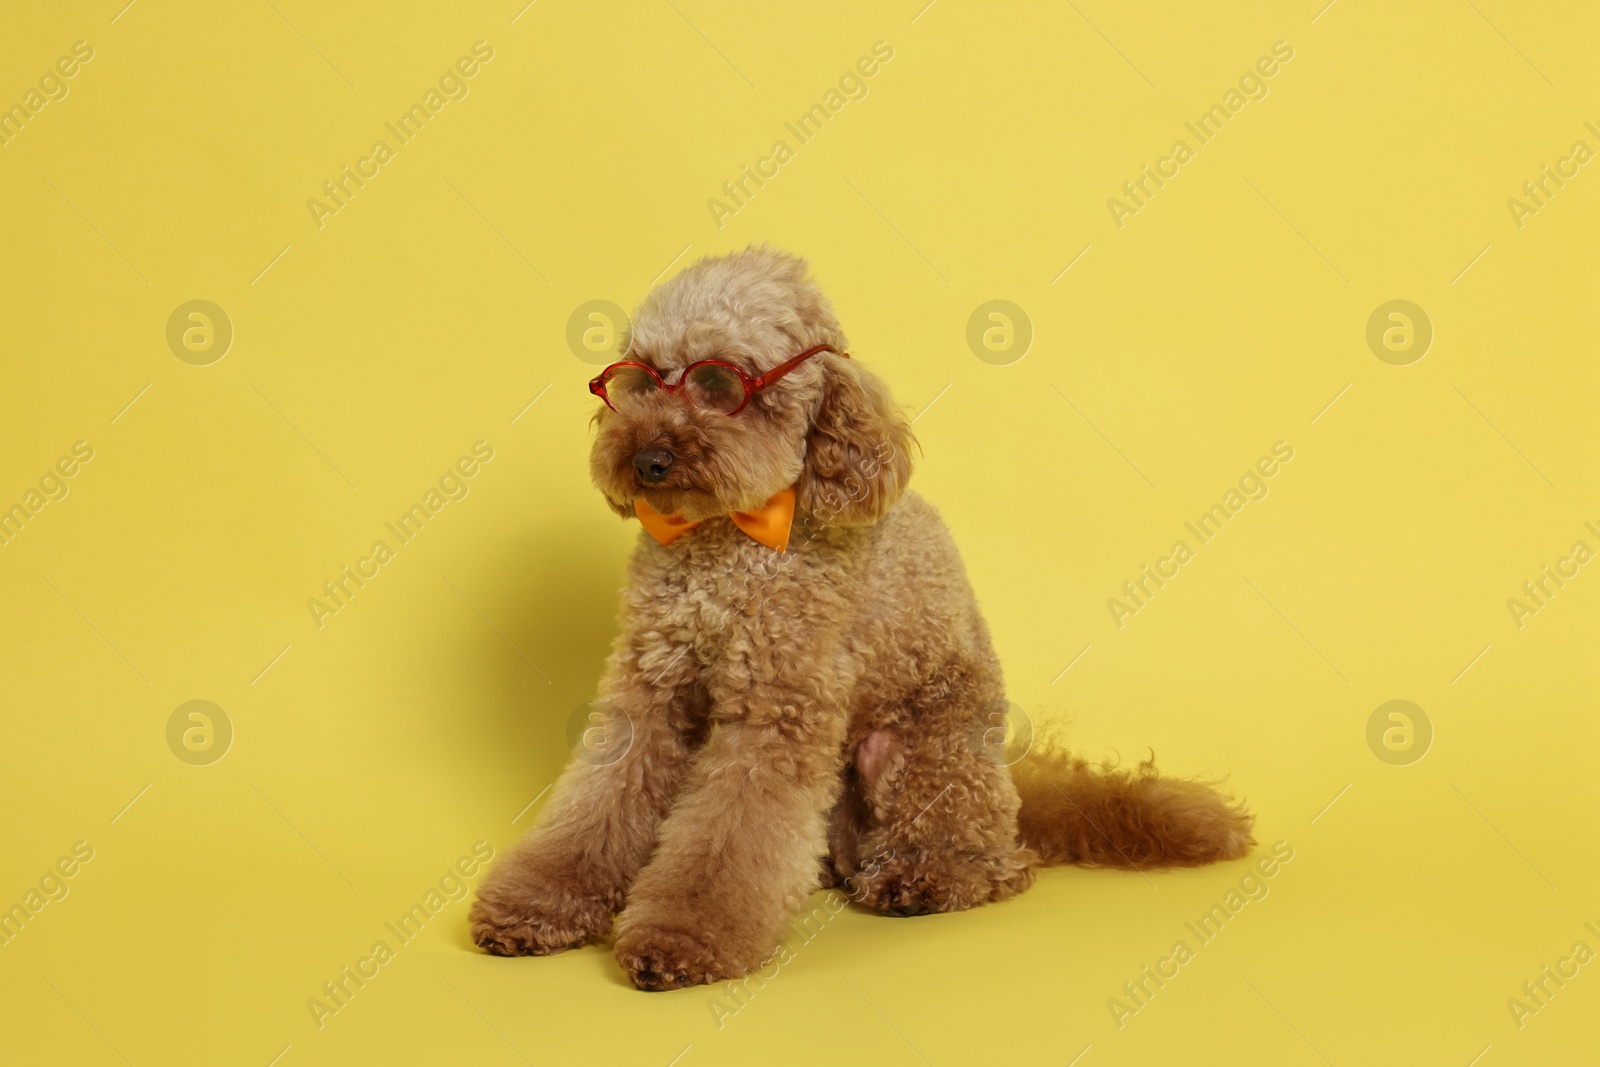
<point>807,689</point>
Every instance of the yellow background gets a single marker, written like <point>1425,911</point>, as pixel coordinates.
<point>430,311</point>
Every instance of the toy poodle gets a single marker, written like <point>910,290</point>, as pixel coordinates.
<point>806,691</point>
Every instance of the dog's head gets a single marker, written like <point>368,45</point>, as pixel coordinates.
<point>829,426</point>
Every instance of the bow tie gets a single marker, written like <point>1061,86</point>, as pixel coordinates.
<point>768,524</point>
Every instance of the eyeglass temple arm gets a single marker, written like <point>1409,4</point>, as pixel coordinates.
<point>788,365</point>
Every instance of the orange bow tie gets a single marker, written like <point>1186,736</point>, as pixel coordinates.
<point>768,524</point>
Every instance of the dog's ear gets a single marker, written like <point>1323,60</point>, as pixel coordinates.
<point>858,450</point>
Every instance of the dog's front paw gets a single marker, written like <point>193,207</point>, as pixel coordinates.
<point>527,920</point>
<point>659,959</point>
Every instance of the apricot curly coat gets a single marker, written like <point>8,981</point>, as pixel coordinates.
<point>833,706</point>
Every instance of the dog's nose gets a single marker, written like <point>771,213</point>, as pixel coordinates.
<point>652,463</point>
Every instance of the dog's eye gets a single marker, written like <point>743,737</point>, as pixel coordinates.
<point>625,384</point>
<point>715,387</point>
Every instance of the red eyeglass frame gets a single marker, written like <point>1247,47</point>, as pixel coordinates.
<point>752,386</point>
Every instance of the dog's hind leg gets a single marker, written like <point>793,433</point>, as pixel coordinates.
<point>941,831</point>
<point>561,884</point>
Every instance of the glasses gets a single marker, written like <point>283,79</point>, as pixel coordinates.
<point>716,385</point>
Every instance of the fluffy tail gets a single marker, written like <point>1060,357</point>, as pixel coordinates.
<point>1077,812</point>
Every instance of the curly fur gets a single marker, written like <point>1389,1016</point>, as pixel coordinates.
<point>828,707</point>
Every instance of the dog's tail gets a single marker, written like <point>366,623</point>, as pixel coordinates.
<point>1097,815</point>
